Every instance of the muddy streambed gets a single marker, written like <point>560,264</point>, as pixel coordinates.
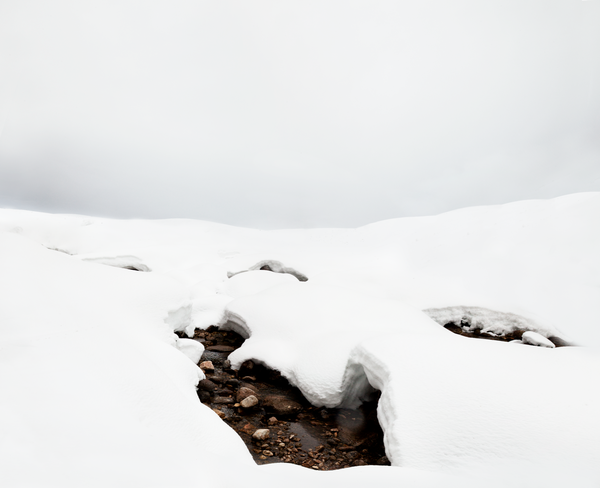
<point>275,421</point>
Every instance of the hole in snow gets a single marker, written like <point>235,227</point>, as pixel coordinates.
<point>275,267</point>
<point>482,323</point>
<point>298,432</point>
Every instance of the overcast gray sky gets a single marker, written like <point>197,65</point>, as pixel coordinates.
<point>296,113</point>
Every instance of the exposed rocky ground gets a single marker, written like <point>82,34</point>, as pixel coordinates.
<point>466,330</point>
<point>275,421</point>
<point>484,323</point>
<point>279,425</point>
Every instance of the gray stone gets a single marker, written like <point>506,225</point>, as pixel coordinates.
<point>219,400</point>
<point>219,378</point>
<point>281,405</point>
<point>243,384</point>
<point>249,402</point>
<point>206,385</point>
<point>244,392</point>
<point>204,396</point>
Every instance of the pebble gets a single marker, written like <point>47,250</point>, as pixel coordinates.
<point>261,434</point>
<point>281,405</point>
<point>383,461</point>
<point>207,366</point>
<point>247,365</point>
<point>219,400</point>
<point>224,386</point>
<point>249,402</point>
<point>204,396</point>
<point>206,385</point>
<point>219,378</point>
<point>245,392</point>
<point>219,348</point>
<point>219,413</point>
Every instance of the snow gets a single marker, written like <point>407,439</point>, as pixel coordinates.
<point>97,389</point>
<point>535,339</point>
<point>191,348</point>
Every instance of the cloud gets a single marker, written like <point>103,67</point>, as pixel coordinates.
<point>295,114</point>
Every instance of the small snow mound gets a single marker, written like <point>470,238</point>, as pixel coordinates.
<point>191,348</point>
<point>125,262</point>
<point>207,309</point>
<point>274,266</point>
<point>535,339</point>
<point>180,318</point>
<point>253,282</point>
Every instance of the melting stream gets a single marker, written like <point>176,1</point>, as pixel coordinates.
<point>298,432</point>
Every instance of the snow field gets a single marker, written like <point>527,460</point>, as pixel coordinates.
<point>97,389</point>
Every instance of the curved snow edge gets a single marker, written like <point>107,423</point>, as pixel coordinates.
<point>364,373</point>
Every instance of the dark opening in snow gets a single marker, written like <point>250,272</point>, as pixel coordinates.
<point>482,323</point>
<point>274,419</point>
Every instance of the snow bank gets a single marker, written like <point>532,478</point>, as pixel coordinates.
<point>307,332</point>
<point>97,389</point>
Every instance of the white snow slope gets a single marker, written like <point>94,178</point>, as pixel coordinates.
<point>97,390</point>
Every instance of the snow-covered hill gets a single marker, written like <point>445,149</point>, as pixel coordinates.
<point>97,389</point>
